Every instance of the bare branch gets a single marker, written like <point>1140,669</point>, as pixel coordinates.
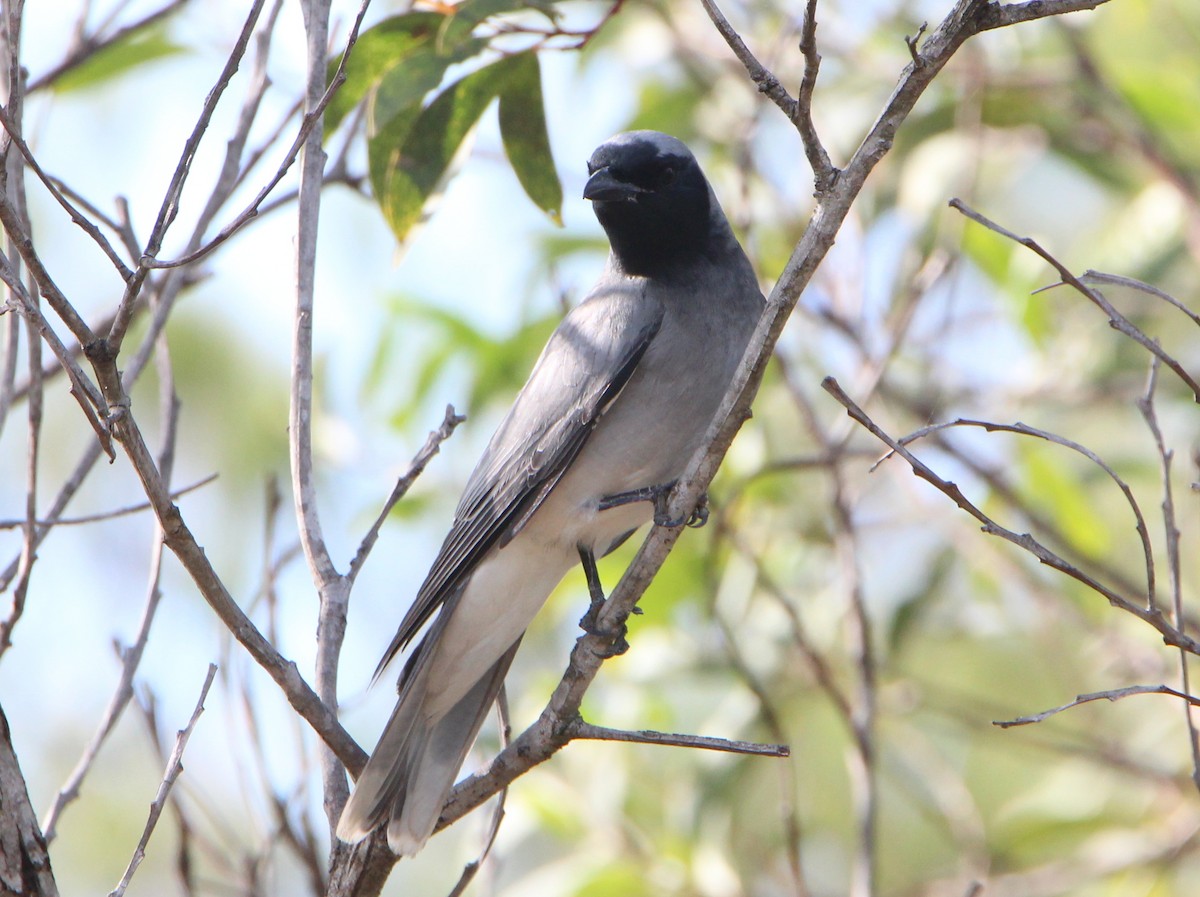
<point>415,469</point>
<point>1153,616</point>
<point>1171,531</point>
<point>76,216</point>
<point>109,515</point>
<point>1026,430</point>
<point>1134,284</point>
<point>174,768</point>
<point>252,209</point>
<point>1116,320</point>
<point>1115,694</point>
<point>766,82</point>
<point>170,204</point>
<point>131,657</point>
<point>824,174</point>
<point>580,729</point>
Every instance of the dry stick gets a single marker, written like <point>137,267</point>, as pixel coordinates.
<point>1116,320</point>
<point>32,459</point>
<point>174,768</point>
<point>432,444</point>
<point>170,204</point>
<point>766,82</point>
<point>1026,430</point>
<point>91,402</point>
<point>108,515</point>
<point>547,734</point>
<point>1171,531</point>
<point>583,730</point>
<point>1115,694</point>
<point>77,216</point>
<point>130,657</point>
<point>1135,284</point>
<point>252,209</point>
<point>824,174</point>
<point>1153,616</point>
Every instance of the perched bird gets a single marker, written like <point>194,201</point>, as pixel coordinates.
<point>617,403</point>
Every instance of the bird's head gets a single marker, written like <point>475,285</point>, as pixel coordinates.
<point>653,202</point>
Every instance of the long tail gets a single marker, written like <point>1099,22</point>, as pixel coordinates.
<point>415,763</point>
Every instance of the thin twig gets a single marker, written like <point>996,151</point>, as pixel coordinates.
<point>109,515</point>
<point>1171,532</point>
<point>1026,430</point>
<point>1116,320</point>
<point>252,209</point>
<point>824,174</point>
<point>174,768</point>
<point>415,469</point>
<point>766,82</point>
<point>170,203</point>
<point>49,183</point>
<point>1115,694</point>
<point>585,731</point>
<point>1153,616</point>
<point>1142,287</point>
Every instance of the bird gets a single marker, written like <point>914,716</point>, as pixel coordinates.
<point>615,406</point>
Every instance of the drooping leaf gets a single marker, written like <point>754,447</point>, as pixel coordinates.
<point>118,58</point>
<point>526,141</point>
<point>409,169</point>
<point>411,159</point>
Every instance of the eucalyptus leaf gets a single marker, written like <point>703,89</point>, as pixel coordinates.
<point>526,141</point>
<point>119,58</point>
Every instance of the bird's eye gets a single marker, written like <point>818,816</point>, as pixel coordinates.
<point>667,177</point>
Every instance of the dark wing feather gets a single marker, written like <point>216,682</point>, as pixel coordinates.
<point>585,365</point>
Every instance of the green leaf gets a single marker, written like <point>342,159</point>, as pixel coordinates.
<point>409,170</point>
<point>396,63</point>
<point>526,142</point>
<point>119,58</point>
<point>378,49</point>
<point>411,156</point>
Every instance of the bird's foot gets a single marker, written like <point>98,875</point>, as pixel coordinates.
<point>616,643</point>
<point>659,495</point>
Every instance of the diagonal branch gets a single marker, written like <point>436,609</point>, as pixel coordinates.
<point>1153,616</point>
<point>1116,320</point>
<point>548,734</point>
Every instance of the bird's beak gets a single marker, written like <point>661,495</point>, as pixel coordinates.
<point>604,187</point>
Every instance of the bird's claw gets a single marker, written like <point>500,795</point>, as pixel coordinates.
<point>696,519</point>
<point>617,643</point>
<point>659,496</point>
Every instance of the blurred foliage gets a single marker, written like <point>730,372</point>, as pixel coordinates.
<point>880,644</point>
<point>1049,131</point>
<point>123,56</point>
